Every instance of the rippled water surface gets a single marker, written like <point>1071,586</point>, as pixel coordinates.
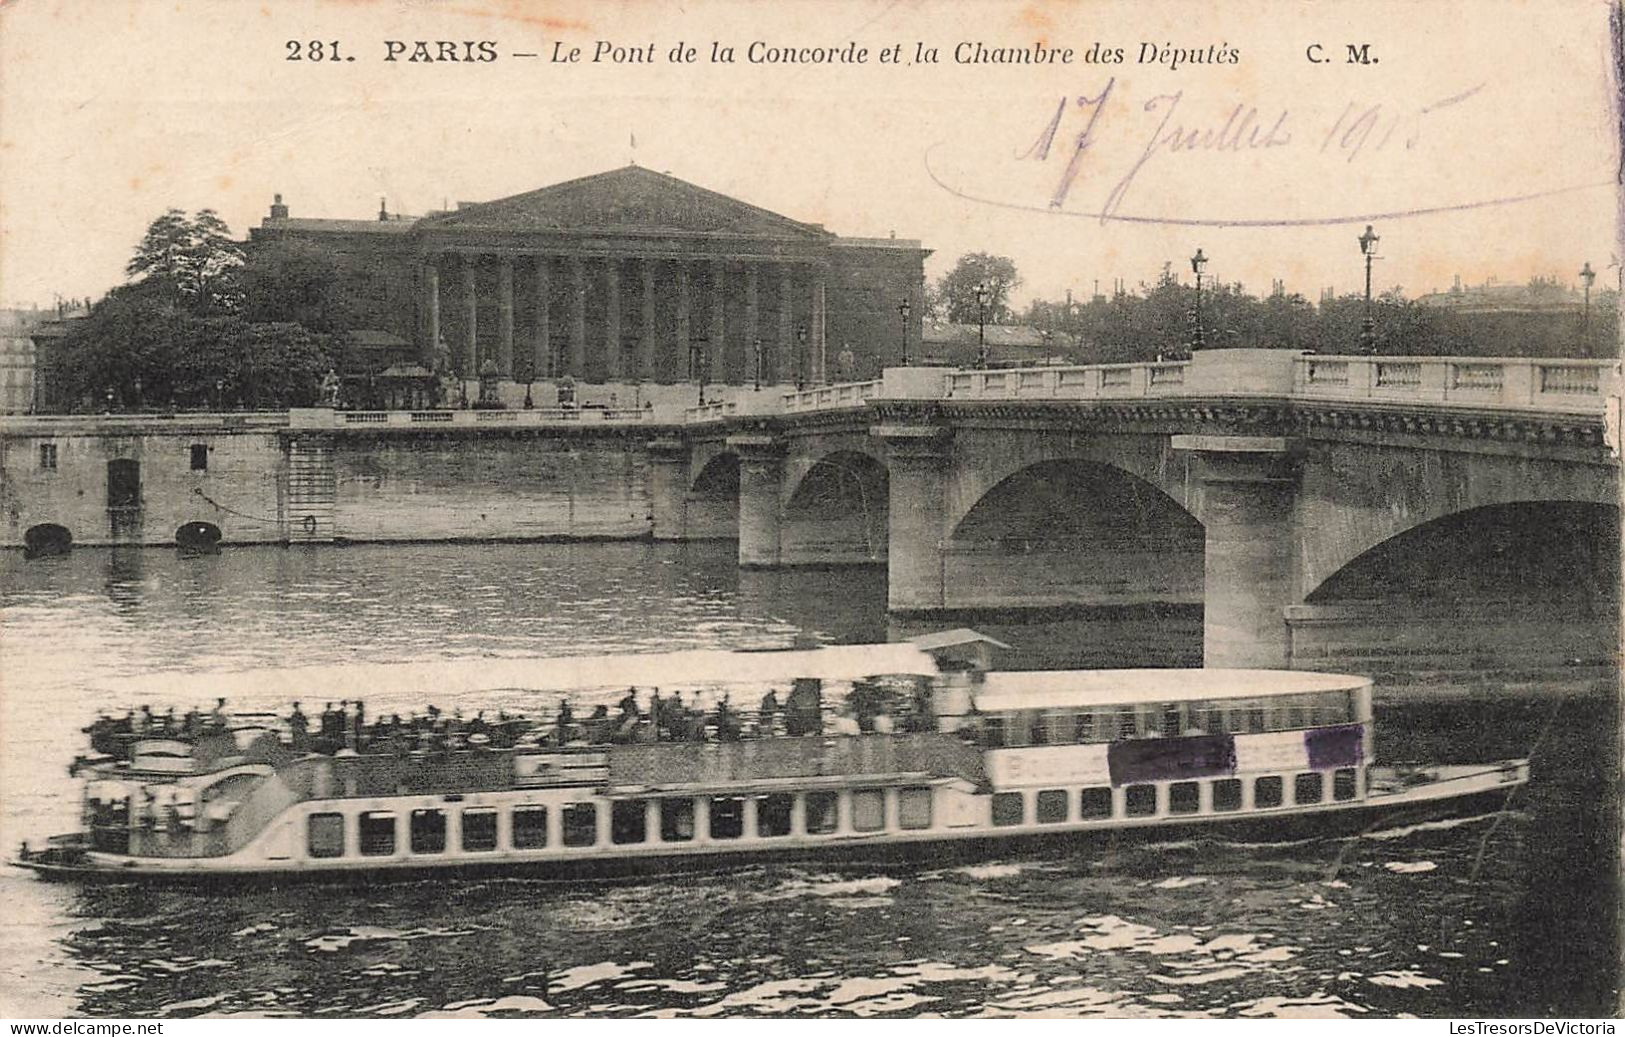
<point>1510,914</point>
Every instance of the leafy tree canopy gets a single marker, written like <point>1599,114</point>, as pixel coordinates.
<point>956,295</point>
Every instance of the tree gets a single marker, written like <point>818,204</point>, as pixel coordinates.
<point>194,260</point>
<point>958,288</point>
<point>298,282</point>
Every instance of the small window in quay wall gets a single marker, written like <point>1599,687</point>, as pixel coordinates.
<point>47,457</point>
<point>200,457</point>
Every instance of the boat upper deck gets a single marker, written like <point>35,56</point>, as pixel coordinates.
<point>1010,690</point>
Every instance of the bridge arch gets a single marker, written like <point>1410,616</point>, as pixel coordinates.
<point>1352,503</point>
<point>836,509</point>
<point>46,539</point>
<point>712,505</point>
<point>1074,531</point>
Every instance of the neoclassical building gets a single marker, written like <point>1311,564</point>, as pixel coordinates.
<point>628,275</point>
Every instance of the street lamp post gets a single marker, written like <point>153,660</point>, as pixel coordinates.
<point>696,367</point>
<point>1368,327</point>
<point>1048,337</point>
<point>982,298</point>
<point>1198,340</point>
<point>801,357</point>
<point>1587,275</point>
<point>903,310</point>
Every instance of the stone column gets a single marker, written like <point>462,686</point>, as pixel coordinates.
<point>615,363</point>
<point>761,489</point>
<point>785,356</point>
<point>578,317</point>
<point>505,318</point>
<point>668,489</point>
<point>816,331</point>
<point>720,370</point>
<point>431,284</point>
<point>471,321</point>
<point>542,345</point>
<point>753,332</point>
<point>683,344</point>
<point>1248,510</point>
<point>646,338</point>
<point>917,464</point>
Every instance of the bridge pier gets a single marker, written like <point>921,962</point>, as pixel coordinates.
<point>668,488</point>
<point>917,462</point>
<point>1249,514</point>
<point>761,495</point>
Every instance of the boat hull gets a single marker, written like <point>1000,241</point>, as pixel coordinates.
<point>65,862</point>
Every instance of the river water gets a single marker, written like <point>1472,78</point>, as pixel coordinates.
<point>1510,914</point>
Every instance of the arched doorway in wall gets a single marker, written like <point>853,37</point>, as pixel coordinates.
<point>124,497</point>
<point>46,539</point>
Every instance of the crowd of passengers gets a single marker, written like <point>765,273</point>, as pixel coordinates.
<point>346,727</point>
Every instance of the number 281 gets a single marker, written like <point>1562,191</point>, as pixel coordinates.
<point>313,50</point>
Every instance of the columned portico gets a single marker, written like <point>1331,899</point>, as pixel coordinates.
<point>471,320</point>
<point>431,287</point>
<point>578,317</point>
<point>505,317</point>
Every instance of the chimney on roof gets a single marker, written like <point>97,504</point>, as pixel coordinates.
<point>278,210</point>
<point>383,213</point>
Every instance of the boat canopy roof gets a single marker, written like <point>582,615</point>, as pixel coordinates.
<point>1062,689</point>
<point>440,679</point>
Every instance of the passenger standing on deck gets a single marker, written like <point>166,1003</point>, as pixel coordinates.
<point>299,729</point>
<point>767,716</point>
<point>565,722</point>
<point>217,716</point>
<point>359,727</point>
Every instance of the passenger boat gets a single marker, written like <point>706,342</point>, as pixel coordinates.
<point>929,755</point>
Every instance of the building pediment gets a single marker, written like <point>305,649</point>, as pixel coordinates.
<point>630,200</point>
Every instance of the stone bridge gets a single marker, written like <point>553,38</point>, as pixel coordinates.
<point>1275,490</point>
<point>1280,493</point>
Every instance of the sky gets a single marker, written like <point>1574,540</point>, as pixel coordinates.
<point>1478,139</point>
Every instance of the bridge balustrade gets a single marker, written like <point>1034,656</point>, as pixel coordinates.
<point>1541,384</point>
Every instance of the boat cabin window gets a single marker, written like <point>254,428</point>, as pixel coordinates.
<point>1345,783</point>
<point>377,833</point>
<point>529,827</point>
<point>1128,723</point>
<point>324,835</point>
<point>1184,797</point>
<point>993,732</point>
<point>1009,808</point>
<point>1051,806</point>
<point>822,815</point>
<point>580,823</point>
<point>1226,795</point>
<point>479,829</point>
<point>1171,727</point>
<point>1255,719</point>
<point>428,831</point>
<point>868,810</point>
<point>1083,727</point>
<point>1140,800</point>
<point>628,821</point>
<point>914,808</point>
<point>773,814</point>
<point>1267,792</point>
<point>1095,803</point>
<point>1309,788</point>
<point>676,820</point>
<point>1040,729</point>
<point>727,817</point>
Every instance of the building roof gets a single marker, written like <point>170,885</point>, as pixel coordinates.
<point>626,200</point>
<point>1494,297</point>
<point>954,638</point>
<point>390,226</point>
<point>1067,689</point>
<point>372,338</point>
<point>1008,335</point>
